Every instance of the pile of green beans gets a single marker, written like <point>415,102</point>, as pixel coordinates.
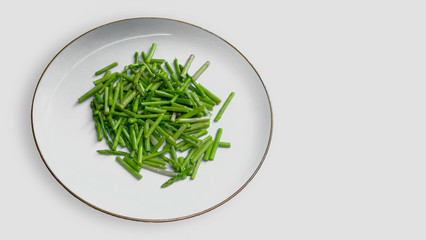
<point>156,114</point>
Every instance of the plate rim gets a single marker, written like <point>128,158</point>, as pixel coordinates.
<point>142,219</point>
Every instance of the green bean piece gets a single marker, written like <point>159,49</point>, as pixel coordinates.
<point>99,98</point>
<point>157,170</point>
<point>187,159</point>
<point>90,93</point>
<point>139,116</point>
<point>181,129</point>
<point>140,151</point>
<point>225,144</point>
<point>153,140</point>
<point>111,152</point>
<point>224,106</point>
<point>173,76</point>
<point>103,79</point>
<point>186,146</point>
<point>158,61</point>
<point>147,145</point>
<point>179,176</point>
<point>208,152</point>
<point>98,128</point>
<point>205,145</point>
<point>128,99</point>
<point>133,140</point>
<point>169,139</point>
<point>198,102</point>
<point>106,101</point>
<point>115,98</point>
<point>157,160</point>
<point>169,68</point>
<point>180,106</point>
<point>207,100</point>
<point>176,109</point>
<point>153,155</point>
<point>160,142</point>
<point>180,160</point>
<point>119,114</point>
<point>143,56</point>
<point>155,110</point>
<point>154,126</point>
<point>110,95</point>
<point>200,133</point>
<point>185,84</point>
<point>140,133</point>
<point>117,136</point>
<point>128,167</point>
<point>197,126</point>
<point>107,133</point>
<point>187,65</point>
<point>136,57</point>
<point>126,137</point>
<point>154,103</point>
<point>121,92</point>
<point>153,164</point>
<point>185,101</point>
<point>197,157</point>
<point>209,94</point>
<point>177,68</point>
<point>156,85</point>
<point>192,120</point>
<point>173,153</point>
<point>124,76</point>
<point>173,117</point>
<point>166,80</point>
<point>107,73</point>
<point>109,82</point>
<point>193,112</point>
<point>151,53</point>
<point>200,71</point>
<point>163,94</point>
<point>116,124</point>
<point>132,163</point>
<point>216,143</point>
<point>180,144</point>
<point>100,71</point>
<point>135,105</point>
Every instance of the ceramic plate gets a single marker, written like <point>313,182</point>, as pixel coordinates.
<point>66,138</point>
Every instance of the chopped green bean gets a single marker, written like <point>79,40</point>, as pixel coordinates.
<point>151,53</point>
<point>90,92</point>
<point>224,106</point>
<point>128,167</point>
<point>187,65</point>
<point>210,95</point>
<point>100,71</point>
<point>216,143</point>
<point>200,71</point>
<point>225,144</point>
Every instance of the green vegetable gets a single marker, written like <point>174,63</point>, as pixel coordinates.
<point>224,106</point>
<point>106,68</point>
<point>216,143</point>
<point>225,144</point>
<point>128,168</point>
<point>150,114</point>
<point>90,93</point>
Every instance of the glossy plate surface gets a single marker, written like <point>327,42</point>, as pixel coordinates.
<point>66,138</point>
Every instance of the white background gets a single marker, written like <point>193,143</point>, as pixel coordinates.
<point>347,85</point>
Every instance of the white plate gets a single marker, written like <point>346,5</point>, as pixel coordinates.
<point>66,138</point>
